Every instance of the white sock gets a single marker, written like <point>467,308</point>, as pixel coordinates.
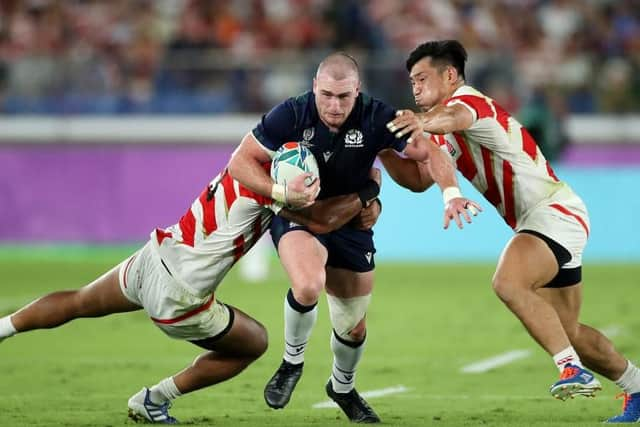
<point>163,391</point>
<point>630,379</point>
<point>568,355</point>
<point>298,324</point>
<point>6,327</point>
<point>346,356</point>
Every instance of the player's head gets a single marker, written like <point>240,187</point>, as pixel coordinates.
<point>436,69</point>
<point>336,87</point>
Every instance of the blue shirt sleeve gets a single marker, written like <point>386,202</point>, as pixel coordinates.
<point>384,114</point>
<point>277,126</point>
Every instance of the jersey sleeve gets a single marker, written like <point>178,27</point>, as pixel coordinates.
<point>383,115</point>
<point>276,127</point>
<point>478,105</point>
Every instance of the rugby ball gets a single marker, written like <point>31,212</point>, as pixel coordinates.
<point>293,159</point>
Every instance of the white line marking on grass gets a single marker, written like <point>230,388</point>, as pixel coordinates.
<point>367,394</point>
<point>495,361</point>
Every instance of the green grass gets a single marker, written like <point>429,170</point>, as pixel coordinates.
<point>425,323</point>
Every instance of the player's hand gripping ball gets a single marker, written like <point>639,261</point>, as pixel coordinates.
<point>292,160</point>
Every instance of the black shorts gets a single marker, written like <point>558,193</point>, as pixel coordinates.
<point>348,248</point>
<point>566,276</point>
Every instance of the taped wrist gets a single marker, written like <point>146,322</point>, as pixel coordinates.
<point>450,193</point>
<point>279,193</point>
<point>369,192</point>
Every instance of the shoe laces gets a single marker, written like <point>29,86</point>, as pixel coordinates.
<point>569,371</point>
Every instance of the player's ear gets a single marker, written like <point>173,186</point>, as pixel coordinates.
<point>452,74</point>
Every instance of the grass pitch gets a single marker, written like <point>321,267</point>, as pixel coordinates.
<point>426,323</point>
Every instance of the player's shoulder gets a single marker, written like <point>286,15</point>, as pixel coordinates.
<point>301,101</point>
<point>375,109</point>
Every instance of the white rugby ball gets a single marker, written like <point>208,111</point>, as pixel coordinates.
<point>291,160</point>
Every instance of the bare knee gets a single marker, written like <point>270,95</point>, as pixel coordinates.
<point>504,289</point>
<point>259,342</point>
<point>307,291</point>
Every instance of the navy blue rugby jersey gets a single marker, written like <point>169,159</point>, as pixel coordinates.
<point>344,158</point>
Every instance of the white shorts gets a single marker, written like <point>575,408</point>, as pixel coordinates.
<point>146,282</point>
<point>565,221</point>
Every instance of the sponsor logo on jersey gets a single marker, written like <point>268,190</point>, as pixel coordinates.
<point>327,155</point>
<point>451,149</point>
<point>353,139</point>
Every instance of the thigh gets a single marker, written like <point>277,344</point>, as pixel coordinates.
<point>344,283</point>
<point>526,261</point>
<point>303,257</point>
<point>104,296</point>
<point>245,336</point>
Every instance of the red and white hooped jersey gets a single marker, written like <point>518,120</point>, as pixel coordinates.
<point>221,225</point>
<point>501,159</point>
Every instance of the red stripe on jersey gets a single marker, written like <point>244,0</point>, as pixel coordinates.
<point>571,214</point>
<point>188,228</point>
<point>551,173</point>
<point>161,235</point>
<point>465,161</point>
<point>492,193</point>
<point>262,200</point>
<point>229,192</point>
<point>126,269</point>
<point>478,103</point>
<point>238,247</point>
<point>509,195</point>
<point>501,116</point>
<point>529,144</point>
<point>186,315</point>
<point>208,212</point>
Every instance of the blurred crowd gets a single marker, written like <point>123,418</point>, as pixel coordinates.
<point>206,56</point>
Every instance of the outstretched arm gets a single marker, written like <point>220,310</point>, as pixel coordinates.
<point>439,163</point>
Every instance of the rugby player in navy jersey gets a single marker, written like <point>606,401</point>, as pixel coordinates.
<point>345,129</point>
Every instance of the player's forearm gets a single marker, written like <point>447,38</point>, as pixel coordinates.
<point>326,215</point>
<point>442,169</point>
<point>441,120</point>
<point>406,172</point>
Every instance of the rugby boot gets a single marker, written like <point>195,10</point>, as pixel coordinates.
<point>280,387</point>
<point>630,410</point>
<point>575,380</point>
<point>142,409</point>
<point>353,405</point>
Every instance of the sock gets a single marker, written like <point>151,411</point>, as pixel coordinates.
<point>298,323</point>
<point>630,379</point>
<point>163,391</point>
<point>568,355</point>
<point>6,327</point>
<point>346,355</point>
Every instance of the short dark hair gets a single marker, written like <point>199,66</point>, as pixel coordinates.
<point>441,52</point>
